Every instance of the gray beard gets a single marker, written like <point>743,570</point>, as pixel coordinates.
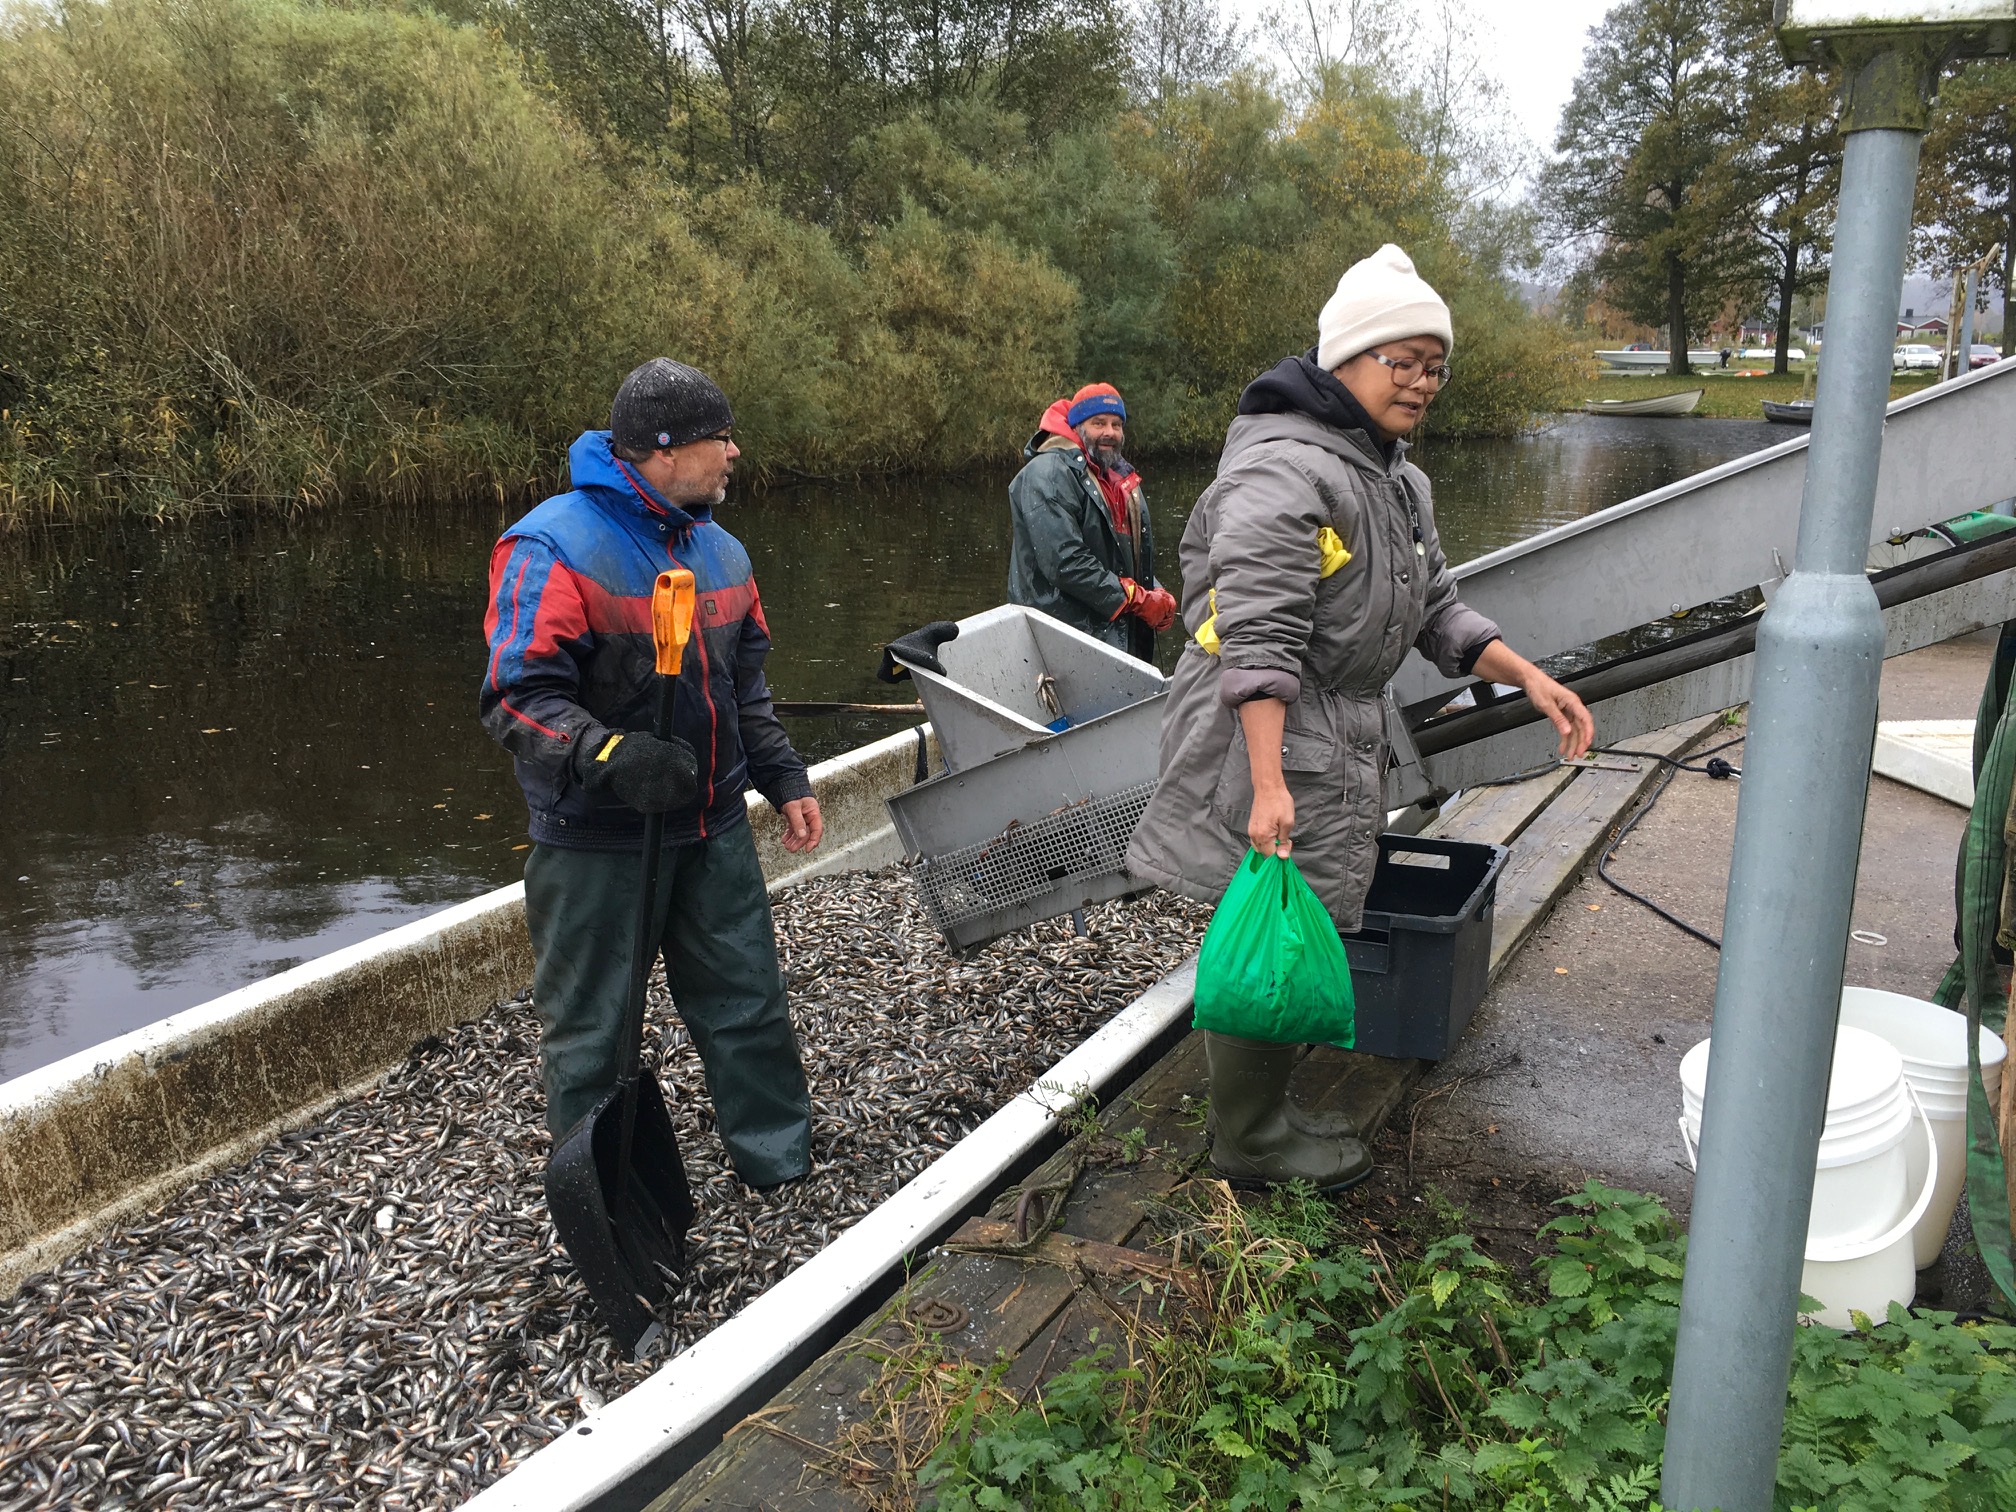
<point>1107,456</point>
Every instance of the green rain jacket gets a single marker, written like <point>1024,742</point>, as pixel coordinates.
<point>1066,558</point>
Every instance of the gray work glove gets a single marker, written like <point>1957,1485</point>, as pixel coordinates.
<point>919,646</point>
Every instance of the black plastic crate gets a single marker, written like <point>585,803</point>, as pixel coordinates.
<point>1420,964</point>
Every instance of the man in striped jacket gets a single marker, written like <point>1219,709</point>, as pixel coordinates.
<point>569,693</point>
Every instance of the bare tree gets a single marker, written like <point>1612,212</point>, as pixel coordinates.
<point>1459,121</point>
<point>1326,44</point>
<point>1180,43</point>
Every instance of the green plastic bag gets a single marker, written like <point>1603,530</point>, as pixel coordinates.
<point>1272,967</point>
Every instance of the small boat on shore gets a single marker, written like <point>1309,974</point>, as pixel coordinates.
<point>1789,411</point>
<point>1648,360</point>
<point>1681,403</point>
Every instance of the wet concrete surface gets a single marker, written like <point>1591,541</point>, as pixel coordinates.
<point>1940,682</point>
<point>1570,1069</point>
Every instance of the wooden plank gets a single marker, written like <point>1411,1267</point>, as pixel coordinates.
<point>1163,1100</point>
<point>787,1459</point>
<point>1364,1088</point>
<point>1112,1262</point>
<point>1110,1204</point>
<point>1498,815</point>
<point>1106,1202</point>
<point>1088,1326</point>
<point>1552,852</point>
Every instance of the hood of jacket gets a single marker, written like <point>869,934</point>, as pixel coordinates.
<point>1302,386</point>
<point>1053,432</point>
<point>592,466</point>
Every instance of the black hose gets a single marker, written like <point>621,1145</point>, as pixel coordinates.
<point>1603,864</point>
<point>1712,766</point>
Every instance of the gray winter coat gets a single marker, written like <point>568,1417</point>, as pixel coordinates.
<point>1325,645</point>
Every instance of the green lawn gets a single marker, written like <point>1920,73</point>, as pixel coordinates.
<point>1725,396</point>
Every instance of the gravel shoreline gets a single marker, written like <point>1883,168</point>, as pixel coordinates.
<point>373,1312</point>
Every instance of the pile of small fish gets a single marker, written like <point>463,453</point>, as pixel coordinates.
<point>373,1312</point>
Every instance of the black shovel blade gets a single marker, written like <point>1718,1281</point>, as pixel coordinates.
<point>624,1244</point>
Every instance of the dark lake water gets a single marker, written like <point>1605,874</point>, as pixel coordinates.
<point>230,746</point>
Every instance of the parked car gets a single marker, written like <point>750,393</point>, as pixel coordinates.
<point>1980,356</point>
<point>1916,356</point>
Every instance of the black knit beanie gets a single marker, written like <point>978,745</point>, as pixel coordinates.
<point>666,403</point>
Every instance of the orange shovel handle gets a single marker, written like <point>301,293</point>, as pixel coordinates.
<point>672,618</point>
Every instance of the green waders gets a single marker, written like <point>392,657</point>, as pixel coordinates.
<point>713,928</point>
<point>1973,984</point>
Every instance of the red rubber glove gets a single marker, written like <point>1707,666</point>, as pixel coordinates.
<point>1156,606</point>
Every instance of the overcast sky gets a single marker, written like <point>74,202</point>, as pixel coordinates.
<point>1537,49</point>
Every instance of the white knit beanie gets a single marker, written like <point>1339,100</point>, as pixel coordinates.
<point>1377,300</point>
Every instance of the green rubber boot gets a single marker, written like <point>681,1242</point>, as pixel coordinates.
<point>1300,1119</point>
<point>1255,1140</point>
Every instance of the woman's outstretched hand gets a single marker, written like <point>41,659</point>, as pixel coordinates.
<point>1565,711</point>
<point>1501,664</point>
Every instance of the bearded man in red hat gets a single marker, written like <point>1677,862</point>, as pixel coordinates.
<point>1082,550</point>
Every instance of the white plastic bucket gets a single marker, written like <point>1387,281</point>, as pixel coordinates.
<point>1867,1275</point>
<point>1864,1275</point>
<point>1932,1042</point>
<point>1861,1180</point>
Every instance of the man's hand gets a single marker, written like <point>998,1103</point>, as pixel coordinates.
<point>1155,606</point>
<point>652,776</point>
<point>803,828</point>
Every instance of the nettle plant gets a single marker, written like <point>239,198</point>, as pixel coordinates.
<point>1346,1371</point>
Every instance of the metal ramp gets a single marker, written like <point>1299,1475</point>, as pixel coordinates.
<point>1946,451</point>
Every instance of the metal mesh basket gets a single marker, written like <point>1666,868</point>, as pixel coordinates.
<point>1032,871</point>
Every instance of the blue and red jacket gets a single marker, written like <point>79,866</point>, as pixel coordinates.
<point>571,660</point>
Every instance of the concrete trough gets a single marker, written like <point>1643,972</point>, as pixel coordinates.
<point>1935,756</point>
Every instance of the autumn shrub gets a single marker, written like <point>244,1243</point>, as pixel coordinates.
<point>285,252</point>
<point>255,251</point>
<point>262,251</point>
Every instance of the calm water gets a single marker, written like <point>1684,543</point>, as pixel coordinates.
<point>228,747</point>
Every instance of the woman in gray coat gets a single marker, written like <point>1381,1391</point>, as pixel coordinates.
<point>1310,566</point>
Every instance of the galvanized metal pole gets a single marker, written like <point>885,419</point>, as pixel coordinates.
<point>1967,321</point>
<point>1798,839</point>
<point>1952,324</point>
